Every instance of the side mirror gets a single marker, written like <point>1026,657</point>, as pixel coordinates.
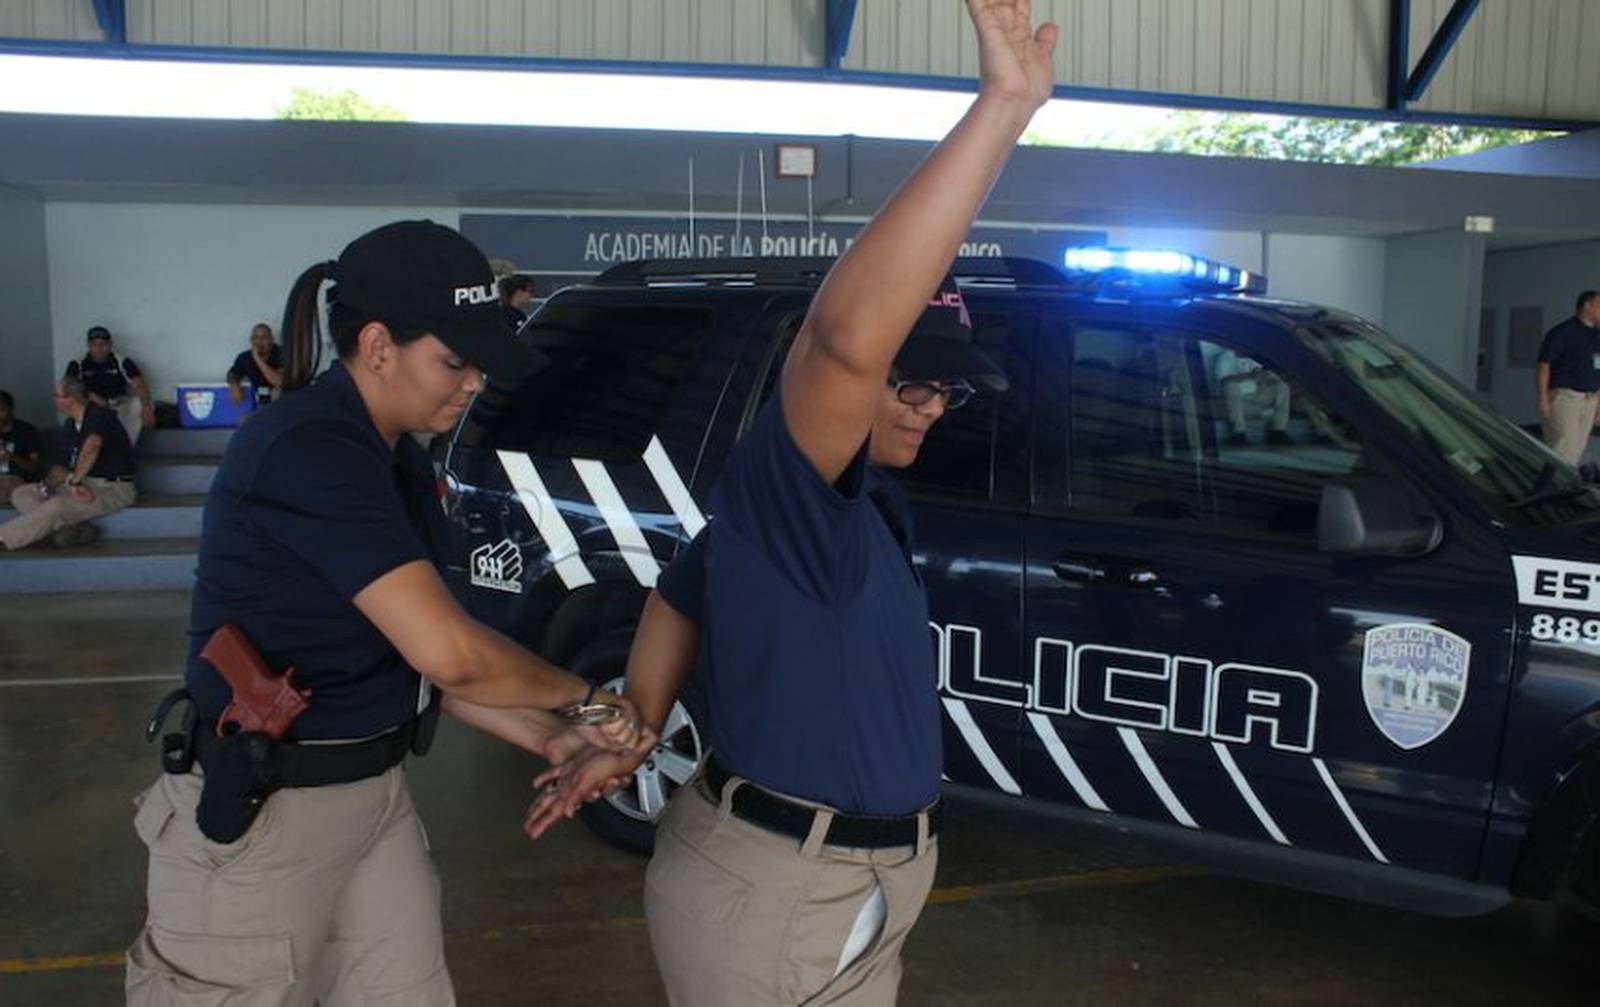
<point>1373,516</point>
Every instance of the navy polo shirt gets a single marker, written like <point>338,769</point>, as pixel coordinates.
<point>19,441</point>
<point>309,506</point>
<point>1572,349</point>
<point>814,628</point>
<point>115,460</point>
<point>107,379</point>
<point>245,368</point>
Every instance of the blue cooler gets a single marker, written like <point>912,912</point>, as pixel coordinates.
<point>208,404</point>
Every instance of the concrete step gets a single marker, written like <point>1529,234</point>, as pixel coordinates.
<point>108,565</point>
<point>176,475</point>
<point>153,516</point>
<point>184,442</point>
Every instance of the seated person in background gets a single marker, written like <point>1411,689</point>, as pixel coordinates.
<point>19,448</point>
<point>516,291</point>
<point>109,382</point>
<point>1246,387</point>
<point>97,479</point>
<point>261,365</point>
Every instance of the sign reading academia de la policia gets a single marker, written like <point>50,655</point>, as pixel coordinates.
<point>584,245</point>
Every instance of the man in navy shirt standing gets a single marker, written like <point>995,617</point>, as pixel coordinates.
<point>794,868</point>
<point>1567,379</point>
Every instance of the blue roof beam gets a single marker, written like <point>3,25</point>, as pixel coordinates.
<point>1399,54</point>
<point>112,16</point>
<point>841,15</point>
<point>1443,41</point>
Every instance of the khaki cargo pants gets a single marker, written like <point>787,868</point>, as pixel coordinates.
<point>330,898</point>
<point>743,917</point>
<point>39,517</point>
<point>1572,416</point>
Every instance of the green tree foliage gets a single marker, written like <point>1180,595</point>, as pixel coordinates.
<point>345,106</point>
<point>1339,141</point>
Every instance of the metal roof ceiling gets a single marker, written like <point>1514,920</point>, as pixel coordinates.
<point>1494,61</point>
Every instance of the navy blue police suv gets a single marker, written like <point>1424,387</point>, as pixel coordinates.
<point>1244,574</point>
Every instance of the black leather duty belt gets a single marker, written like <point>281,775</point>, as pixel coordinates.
<point>791,818</point>
<point>300,765</point>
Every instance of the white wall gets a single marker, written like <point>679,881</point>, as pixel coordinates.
<point>1345,273</point>
<point>25,338</point>
<point>1427,286</point>
<point>1549,277</point>
<point>180,285</point>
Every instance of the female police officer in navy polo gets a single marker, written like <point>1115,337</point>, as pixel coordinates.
<point>321,542</point>
<point>795,867</point>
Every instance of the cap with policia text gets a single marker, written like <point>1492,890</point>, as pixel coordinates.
<point>940,346</point>
<point>420,276</point>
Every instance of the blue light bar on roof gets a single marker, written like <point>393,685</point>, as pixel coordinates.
<point>1160,270</point>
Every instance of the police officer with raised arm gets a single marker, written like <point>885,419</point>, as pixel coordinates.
<point>794,868</point>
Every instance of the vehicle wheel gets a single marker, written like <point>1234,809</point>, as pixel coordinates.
<point>627,818</point>
<point>1581,894</point>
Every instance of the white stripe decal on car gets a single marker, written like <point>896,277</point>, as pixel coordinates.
<point>1349,812</point>
<point>1065,762</point>
<point>980,746</point>
<point>1152,775</point>
<point>541,507</point>
<point>672,487</point>
<point>630,540</point>
<point>1248,793</point>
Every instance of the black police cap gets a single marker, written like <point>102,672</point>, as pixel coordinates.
<point>418,275</point>
<point>940,346</point>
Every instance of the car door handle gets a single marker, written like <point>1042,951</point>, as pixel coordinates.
<point>1106,570</point>
<point>1078,569</point>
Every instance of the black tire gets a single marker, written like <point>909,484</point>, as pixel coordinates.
<point>627,819</point>
<point>1581,893</point>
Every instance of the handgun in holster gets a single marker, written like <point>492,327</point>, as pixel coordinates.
<point>240,755</point>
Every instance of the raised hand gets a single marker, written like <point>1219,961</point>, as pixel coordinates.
<point>1015,61</point>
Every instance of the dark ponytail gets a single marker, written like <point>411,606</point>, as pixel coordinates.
<point>302,327</point>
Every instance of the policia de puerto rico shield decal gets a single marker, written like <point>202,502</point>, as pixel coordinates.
<point>1414,679</point>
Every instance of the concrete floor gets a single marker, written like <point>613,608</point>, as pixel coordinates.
<point>1023,913</point>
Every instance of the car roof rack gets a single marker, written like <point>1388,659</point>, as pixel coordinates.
<point>1008,272</point>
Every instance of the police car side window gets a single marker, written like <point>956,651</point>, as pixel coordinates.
<point>1132,445</point>
<point>1172,427</point>
<point>1273,446</point>
<point>613,372</point>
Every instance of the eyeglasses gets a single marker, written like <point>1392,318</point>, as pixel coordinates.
<point>920,393</point>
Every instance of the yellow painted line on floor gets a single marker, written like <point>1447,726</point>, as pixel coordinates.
<point>60,963</point>
<point>1111,878</point>
<point>955,894</point>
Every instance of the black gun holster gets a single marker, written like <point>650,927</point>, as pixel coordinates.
<point>244,768</point>
<point>240,769</point>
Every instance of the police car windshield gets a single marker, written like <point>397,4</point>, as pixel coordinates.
<point>1508,469</point>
